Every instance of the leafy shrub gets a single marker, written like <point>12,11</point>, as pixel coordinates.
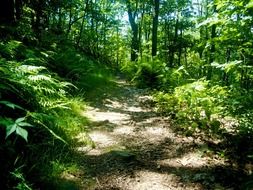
<point>145,72</point>
<point>171,77</point>
<point>196,104</point>
<point>129,69</point>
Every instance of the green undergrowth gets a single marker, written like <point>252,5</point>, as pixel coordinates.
<point>144,72</point>
<point>193,101</point>
<point>153,73</point>
<point>219,109</point>
<point>213,112</point>
<point>89,75</point>
<point>212,108</point>
<point>195,105</point>
<point>39,116</point>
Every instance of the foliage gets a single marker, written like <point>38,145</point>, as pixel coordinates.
<point>197,104</point>
<point>22,183</point>
<point>198,55</point>
<point>146,72</point>
<point>35,106</point>
<point>86,73</point>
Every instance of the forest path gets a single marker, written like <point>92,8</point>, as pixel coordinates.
<point>136,149</point>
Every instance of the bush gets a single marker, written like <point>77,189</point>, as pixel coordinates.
<point>146,72</point>
<point>197,104</point>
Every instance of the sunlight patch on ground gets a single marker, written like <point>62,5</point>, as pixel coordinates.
<point>123,130</point>
<point>158,131</point>
<point>192,159</point>
<point>148,180</point>
<point>102,139</point>
<point>154,134</point>
<point>123,106</point>
<point>112,117</point>
<point>113,104</point>
<point>134,109</point>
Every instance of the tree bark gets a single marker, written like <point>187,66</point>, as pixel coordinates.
<point>134,26</point>
<point>212,49</point>
<point>18,8</point>
<point>86,4</point>
<point>173,46</point>
<point>155,27</point>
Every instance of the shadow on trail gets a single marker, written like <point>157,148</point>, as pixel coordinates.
<point>108,166</point>
<point>170,156</point>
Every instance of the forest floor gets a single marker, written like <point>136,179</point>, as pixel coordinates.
<point>138,149</point>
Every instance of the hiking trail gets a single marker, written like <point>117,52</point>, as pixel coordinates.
<point>138,149</point>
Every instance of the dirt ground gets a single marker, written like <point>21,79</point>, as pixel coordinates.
<point>138,149</point>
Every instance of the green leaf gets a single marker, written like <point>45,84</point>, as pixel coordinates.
<point>24,124</point>
<point>11,105</point>
<point>249,5</point>
<point>10,129</point>
<point>6,121</point>
<point>20,120</point>
<point>22,132</point>
<point>3,70</point>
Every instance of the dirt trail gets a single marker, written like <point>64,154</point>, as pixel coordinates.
<point>136,149</point>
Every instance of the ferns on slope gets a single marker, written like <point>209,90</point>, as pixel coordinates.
<point>32,100</point>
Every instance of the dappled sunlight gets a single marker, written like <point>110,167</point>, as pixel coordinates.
<point>137,149</point>
<point>124,130</point>
<point>190,159</point>
<point>153,134</point>
<point>126,106</point>
<point>134,109</point>
<point>160,181</point>
<point>126,95</point>
<point>158,131</point>
<point>112,117</point>
<point>102,140</point>
<point>113,104</point>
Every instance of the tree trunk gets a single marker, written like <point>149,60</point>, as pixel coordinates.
<point>86,4</point>
<point>180,45</point>
<point>212,49</point>
<point>80,32</point>
<point>141,31</point>
<point>155,27</point>
<point>225,75</point>
<point>135,43</point>
<point>70,21</point>
<point>134,26</point>
<point>18,8</point>
<point>173,45</point>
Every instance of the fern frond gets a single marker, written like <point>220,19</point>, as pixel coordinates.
<point>54,102</point>
<point>45,90</point>
<point>30,69</point>
<point>36,78</point>
<point>34,61</point>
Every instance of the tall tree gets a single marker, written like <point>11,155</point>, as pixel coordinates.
<point>132,10</point>
<point>212,49</point>
<point>156,4</point>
